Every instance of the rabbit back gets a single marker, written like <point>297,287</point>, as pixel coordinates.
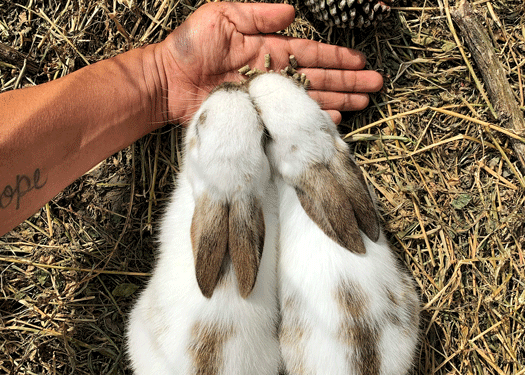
<point>224,322</point>
<point>175,328</point>
<point>342,312</point>
<point>346,306</point>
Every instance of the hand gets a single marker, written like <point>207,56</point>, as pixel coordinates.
<point>219,38</point>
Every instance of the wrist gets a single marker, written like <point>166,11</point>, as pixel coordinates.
<point>154,85</point>
<point>181,91</point>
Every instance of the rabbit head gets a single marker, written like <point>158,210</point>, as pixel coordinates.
<point>306,150</point>
<point>228,171</point>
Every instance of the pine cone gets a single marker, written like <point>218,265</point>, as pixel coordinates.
<point>350,13</point>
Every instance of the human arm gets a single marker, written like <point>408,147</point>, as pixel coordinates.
<point>53,133</point>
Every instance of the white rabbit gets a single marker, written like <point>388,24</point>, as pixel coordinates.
<point>211,305</point>
<point>346,305</point>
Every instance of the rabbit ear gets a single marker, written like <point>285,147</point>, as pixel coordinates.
<point>209,239</point>
<point>336,198</point>
<point>326,203</point>
<point>349,175</point>
<point>246,241</point>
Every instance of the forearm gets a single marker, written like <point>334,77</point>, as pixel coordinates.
<point>65,127</point>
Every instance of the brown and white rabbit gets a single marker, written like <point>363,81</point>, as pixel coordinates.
<point>211,305</point>
<point>346,305</point>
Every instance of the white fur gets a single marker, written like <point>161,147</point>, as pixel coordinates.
<point>226,160</point>
<point>311,265</point>
<point>291,123</point>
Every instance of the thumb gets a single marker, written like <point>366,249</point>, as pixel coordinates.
<point>258,18</point>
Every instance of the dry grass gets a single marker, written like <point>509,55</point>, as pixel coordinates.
<point>450,189</point>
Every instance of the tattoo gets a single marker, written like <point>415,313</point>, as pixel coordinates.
<point>23,185</point>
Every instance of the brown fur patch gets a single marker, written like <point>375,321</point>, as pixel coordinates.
<point>206,348</point>
<point>348,174</point>
<point>394,318</point>
<point>392,313</point>
<point>413,309</point>
<point>229,87</point>
<point>364,338</point>
<point>404,310</point>
<point>357,332</point>
<point>202,118</point>
<point>351,300</point>
<point>209,239</point>
<point>246,241</point>
<point>326,203</point>
<point>293,332</point>
<point>392,297</point>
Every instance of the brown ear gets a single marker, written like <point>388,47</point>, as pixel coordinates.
<point>348,174</point>
<point>246,241</point>
<point>209,239</point>
<point>327,204</point>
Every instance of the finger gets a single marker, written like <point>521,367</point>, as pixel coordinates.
<point>258,18</point>
<point>344,80</point>
<point>340,101</point>
<point>335,115</point>
<point>311,54</point>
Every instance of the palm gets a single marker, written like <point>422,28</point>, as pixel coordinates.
<point>219,38</point>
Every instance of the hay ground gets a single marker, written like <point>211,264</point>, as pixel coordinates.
<point>450,189</point>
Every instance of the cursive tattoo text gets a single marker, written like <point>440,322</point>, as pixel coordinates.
<point>23,185</point>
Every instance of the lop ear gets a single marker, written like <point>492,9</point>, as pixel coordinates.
<point>246,241</point>
<point>209,239</point>
<point>336,198</point>
<point>326,203</point>
<point>349,175</point>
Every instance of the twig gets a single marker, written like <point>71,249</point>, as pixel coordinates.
<point>11,56</point>
<point>467,62</point>
<point>63,268</point>
<point>493,73</point>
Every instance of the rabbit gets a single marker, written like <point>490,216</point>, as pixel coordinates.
<point>211,306</point>
<point>346,305</point>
